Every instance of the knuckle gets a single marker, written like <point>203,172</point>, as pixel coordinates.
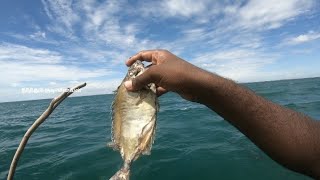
<point>164,51</point>
<point>151,70</point>
<point>141,52</point>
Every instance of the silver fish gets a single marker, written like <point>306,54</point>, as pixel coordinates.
<point>134,117</point>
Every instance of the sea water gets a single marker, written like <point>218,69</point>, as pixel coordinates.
<point>192,142</point>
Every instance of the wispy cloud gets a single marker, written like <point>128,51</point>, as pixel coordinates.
<point>186,8</point>
<point>101,26</point>
<point>271,14</point>
<point>21,64</point>
<point>25,55</point>
<point>62,16</point>
<point>235,37</point>
<point>239,64</point>
<point>303,38</point>
<point>90,39</point>
<point>251,14</point>
<point>38,35</point>
<point>18,72</point>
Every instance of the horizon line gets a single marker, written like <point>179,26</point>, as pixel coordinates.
<point>113,93</point>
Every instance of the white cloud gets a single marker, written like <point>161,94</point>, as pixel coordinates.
<point>62,16</point>
<point>185,8</point>
<point>303,38</point>
<point>194,32</point>
<point>98,55</point>
<point>103,87</point>
<point>237,64</point>
<point>38,35</point>
<point>52,83</point>
<point>100,23</point>
<point>20,64</point>
<point>251,65</point>
<point>97,14</point>
<point>20,72</point>
<point>271,13</point>
<point>199,12</point>
<point>261,14</point>
<point>15,84</point>
<point>23,54</point>
<point>235,23</point>
<point>61,10</point>
<point>226,24</point>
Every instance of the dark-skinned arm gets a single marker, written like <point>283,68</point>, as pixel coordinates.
<point>289,137</point>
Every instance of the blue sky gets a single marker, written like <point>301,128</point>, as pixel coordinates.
<point>61,43</point>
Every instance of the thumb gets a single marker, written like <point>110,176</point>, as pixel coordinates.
<point>141,81</point>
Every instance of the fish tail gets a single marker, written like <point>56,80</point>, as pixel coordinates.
<point>123,173</point>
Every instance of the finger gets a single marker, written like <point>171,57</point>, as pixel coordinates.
<point>161,91</point>
<point>141,81</point>
<point>142,55</point>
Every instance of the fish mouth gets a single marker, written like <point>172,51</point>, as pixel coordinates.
<point>136,69</point>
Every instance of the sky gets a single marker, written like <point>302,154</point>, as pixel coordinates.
<point>52,44</point>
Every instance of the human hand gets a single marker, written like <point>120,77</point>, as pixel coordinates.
<point>168,72</point>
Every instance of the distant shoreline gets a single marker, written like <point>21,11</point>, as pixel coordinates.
<point>278,80</point>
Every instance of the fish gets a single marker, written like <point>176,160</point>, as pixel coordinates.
<point>134,116</point>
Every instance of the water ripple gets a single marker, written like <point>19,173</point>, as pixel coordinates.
<point>192,142</point>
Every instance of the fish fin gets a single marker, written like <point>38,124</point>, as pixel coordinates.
<point>113,145</point>
<point>123,173</point>
<point>112,113</point>
<point>157,105</point>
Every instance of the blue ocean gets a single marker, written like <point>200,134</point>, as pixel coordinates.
<point>192,142</point>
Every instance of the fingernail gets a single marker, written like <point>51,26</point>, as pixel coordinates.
<point>127,62</point>
<point>128,85</point>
